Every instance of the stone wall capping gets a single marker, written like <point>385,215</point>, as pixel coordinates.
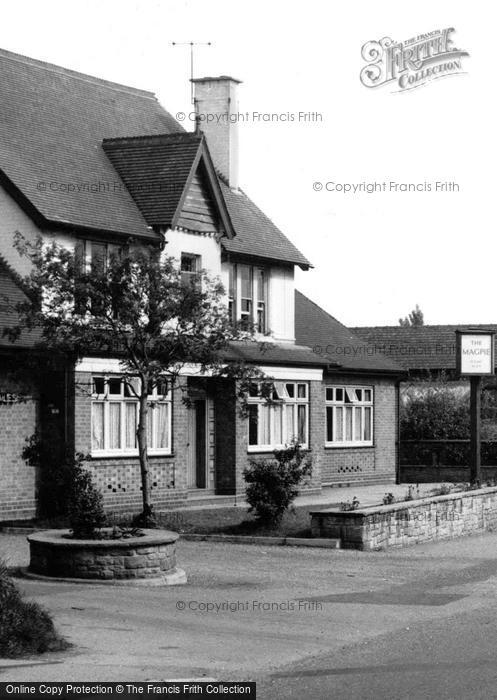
<point>403,505</point>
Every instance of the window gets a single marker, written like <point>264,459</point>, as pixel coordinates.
<point>89,256</point>
<point>190,268</point>
<point>286,418</point>
<point>115,414</point>
<point>349,415</point>
<point>96,254</point>
<point>247,296</point>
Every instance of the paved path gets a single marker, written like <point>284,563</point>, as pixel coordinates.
<point>312,623</point>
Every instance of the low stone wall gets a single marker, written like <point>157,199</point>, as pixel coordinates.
<point>409,522</point>
<point>53,553</point>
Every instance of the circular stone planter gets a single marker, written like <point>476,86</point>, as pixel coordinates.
<point>147,560</point>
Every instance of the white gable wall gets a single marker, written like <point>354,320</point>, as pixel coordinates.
<point>12,219</point>
<point>206,246</point>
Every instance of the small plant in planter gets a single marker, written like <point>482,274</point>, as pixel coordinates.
<point>412,493</point>
<point>350,505</point>
<point>85,510</point>
<point>273,483</point>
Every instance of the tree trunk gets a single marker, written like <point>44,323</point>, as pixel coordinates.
<point>147,518</point>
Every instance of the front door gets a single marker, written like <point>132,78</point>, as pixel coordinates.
<point>200,444</point>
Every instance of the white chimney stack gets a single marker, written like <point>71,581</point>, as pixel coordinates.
<point>216,107</point>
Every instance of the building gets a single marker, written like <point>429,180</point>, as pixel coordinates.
<point>423,351</point>
<point>89,163</point>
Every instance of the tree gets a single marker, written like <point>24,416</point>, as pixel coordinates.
<point>136,306</point>
<point>415,318</point>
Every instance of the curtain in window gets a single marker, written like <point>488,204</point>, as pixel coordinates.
<point>348,424</point>
<point>162,426</point>
<point>114,425</point>
<point>278,425</point>
<point>367,423</point>
<point>357,424</point>
<point>290,423</point>
<point>130,425</point>
<point>302,423</point>
<point>97,426</point>
<point>265,425</point>
<point>339,423</point>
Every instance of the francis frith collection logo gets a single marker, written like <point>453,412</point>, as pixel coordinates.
<point>409,64</point>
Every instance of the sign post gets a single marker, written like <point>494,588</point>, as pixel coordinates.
<point>475,358</point>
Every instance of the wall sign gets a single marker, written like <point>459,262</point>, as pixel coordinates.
<point>475,352</point>
<point>9,397</point>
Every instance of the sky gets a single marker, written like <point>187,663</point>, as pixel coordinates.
<point>375,255</point>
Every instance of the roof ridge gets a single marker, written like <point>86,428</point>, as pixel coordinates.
<point>425,325</point>
<point>180,136</point>
<point>86,77</point>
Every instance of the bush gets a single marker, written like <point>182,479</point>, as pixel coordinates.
<point>273,483</point>
<point>25,628</point>
<point>65,487</point>
<point>85,509</point>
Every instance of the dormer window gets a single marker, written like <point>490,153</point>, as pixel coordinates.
<point>247,296</point>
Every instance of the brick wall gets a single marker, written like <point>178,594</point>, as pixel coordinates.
<point>363,464</point>
<point>18,421</point>
<point>118,478</point>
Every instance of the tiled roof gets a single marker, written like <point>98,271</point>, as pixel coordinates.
<point>255,232</point>
<point>155,170</point>
<point>11,293</point>
<point>418,347</point>
<point>274,353</point>
<point>52,122</point>
<point>158,170</point>
<point>336,343</point>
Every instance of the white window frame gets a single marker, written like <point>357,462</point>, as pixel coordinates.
<point>362,404</point>
<point>110,249</point>
<point>256,304</point>
<point>193,274</point>
<point>106,399</point>
<point>283,400</point>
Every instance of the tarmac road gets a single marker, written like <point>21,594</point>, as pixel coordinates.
<point>304,623</point>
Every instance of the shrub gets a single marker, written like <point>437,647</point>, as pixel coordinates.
<point>65,487</point>
<point>273,483</point>
<point>350,505</point>
<point>25,628</point>
<point>85,509</point>
<point>412,493</point>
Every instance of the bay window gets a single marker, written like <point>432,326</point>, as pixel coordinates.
<point>349,416</point>
<point>115,413</point>
<point>248,296</point>
<point>275,424</point>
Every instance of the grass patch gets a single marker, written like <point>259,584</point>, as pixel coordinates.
<point>25,627</point>
<point>237,521</point>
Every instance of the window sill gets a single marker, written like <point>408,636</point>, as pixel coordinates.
<point>271,448</point>
<point>108,454</point>
<point>347,445</point>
